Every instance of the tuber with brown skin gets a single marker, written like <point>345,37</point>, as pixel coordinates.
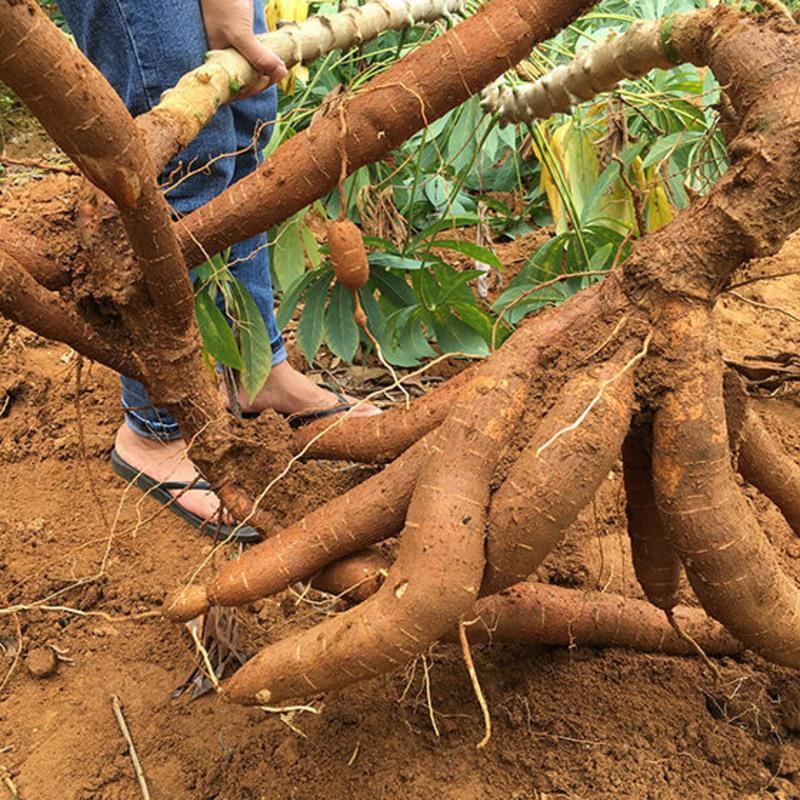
<point>655,562</point>
<point>436,576</point>
<point>555,478</point>
<point>348,255</point>
<point>730,563</point>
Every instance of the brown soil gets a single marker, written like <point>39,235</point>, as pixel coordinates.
<point>574,723</point>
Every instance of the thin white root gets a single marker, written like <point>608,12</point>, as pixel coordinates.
<point>226,73</point>
<point>676,626</point>
<point>476,685</point>
<point>597,69</point>
<point>137,766</point>
<point>203,653</point>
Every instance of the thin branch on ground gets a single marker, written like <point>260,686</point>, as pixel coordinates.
<point>765,306</point>
<point>137,766</point>
<point>17,654</point>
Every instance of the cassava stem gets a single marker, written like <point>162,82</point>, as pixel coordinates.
<point>190,105</point>
<point>600,68</point>
<point>368,126</point>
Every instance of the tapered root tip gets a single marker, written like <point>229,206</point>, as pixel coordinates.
<point>186,603</point>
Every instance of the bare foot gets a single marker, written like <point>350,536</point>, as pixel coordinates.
<point>288,391</point>
<point>167,461</point>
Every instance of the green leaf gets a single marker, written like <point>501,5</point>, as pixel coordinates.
<point>218,338</point>
<point>455,336</point>
<point>288,255</point>
<point>448,223</point>
<point>391,261</point>
<point>393,287</point>
<point>254,341</point>
<point>293,294</point>
<point>475,251</point>
<point>312,320</point>
<point>311,246</point>
<point>341,331</point>
<point>476,318</point>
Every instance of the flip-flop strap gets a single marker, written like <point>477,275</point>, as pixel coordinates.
<point>176,486</point>
<point>303,418</point>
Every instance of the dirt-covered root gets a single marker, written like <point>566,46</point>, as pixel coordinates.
<point>763,463</point>
<point>26,302</point>
<point>730,563</point>
<point>540,614</point>
<point>657,566</point>
<point>366,514</point>
<point>32,256</point>
<point>573,450</point>
<point>436,576</point>
<point>354,577</point>
<point>383,437</point>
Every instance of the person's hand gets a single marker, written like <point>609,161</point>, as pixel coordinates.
<point>229,23</point>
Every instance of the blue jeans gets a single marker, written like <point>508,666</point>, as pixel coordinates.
<point>143,47</point>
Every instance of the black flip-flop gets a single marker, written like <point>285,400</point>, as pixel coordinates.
<point>298,420</point>
<point>160,491</point>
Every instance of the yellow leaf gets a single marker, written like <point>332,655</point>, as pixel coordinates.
<point>286,10</point>
<point>659,211</point>
<point>552,159</point>
<point>300,10</point>
<point>271,12</point>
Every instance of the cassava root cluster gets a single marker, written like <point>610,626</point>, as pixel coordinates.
<point>480,482</point>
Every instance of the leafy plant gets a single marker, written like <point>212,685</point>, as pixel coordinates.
<point>232,328</point>
<point>623,162</point>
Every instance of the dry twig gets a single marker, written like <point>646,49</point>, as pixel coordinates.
<point>137,766</point>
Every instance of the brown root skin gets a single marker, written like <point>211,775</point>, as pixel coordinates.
<point>29,253</point>
<point>348,256</point>
<point>438,570</point>
<point>186,603</point>
<point>657,566</point>
<point>539,614</point>
<point>28,303</point>
<point>367,514</point>
<point>731,565</point>
<point>764,464</point>
<point>543,493</point>
<point>354,577</point>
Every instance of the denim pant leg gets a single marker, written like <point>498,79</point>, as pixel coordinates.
<point>143,47</point>
<point>250,259</point>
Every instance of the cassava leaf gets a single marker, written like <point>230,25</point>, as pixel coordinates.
<point>254,343</point>
<point>217,336</point>
<point>341,331</point>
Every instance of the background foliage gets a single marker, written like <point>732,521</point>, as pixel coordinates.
<point>434,214</point>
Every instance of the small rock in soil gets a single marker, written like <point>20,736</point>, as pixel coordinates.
<point>41,662</point>
<point>287,753</point>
